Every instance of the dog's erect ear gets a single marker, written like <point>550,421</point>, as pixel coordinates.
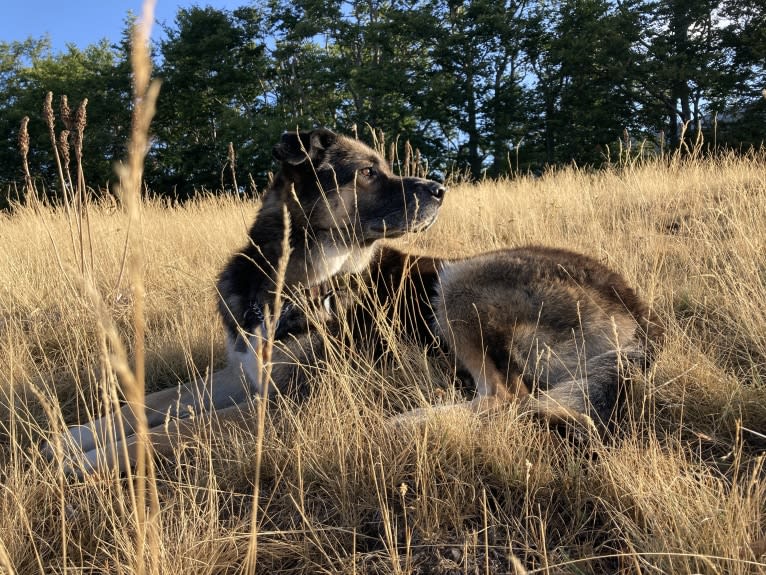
<point>297,147</point>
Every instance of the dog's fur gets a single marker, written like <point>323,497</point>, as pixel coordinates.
<point>549,328</point>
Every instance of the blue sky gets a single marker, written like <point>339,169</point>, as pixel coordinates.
<point>84,22</point>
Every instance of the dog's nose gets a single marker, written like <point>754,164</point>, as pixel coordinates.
<point>438,190</point>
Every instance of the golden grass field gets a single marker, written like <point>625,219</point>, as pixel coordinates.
<point>342,492</point>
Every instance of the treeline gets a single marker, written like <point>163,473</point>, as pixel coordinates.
<point>481,87</point>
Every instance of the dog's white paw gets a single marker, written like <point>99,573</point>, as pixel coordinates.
<point>420,416</point>
<point>73,449</point>
<point>411,418</point>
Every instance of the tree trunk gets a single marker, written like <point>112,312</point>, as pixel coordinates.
<point>474,158</point>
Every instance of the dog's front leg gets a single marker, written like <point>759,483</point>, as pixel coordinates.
<point>166,439</point>
<point>75,445</point>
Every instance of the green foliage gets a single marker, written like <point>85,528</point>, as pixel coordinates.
<point>479,86</point>
<point>212,63</point>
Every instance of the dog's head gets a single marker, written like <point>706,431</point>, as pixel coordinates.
<point>343,185</point>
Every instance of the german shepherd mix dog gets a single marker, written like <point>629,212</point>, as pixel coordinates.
<point>549,328</point>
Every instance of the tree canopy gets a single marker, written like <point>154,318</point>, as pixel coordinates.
<point>483,87</point>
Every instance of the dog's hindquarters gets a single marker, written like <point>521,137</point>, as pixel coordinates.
<point>600,394</point>
<point>554,329</point>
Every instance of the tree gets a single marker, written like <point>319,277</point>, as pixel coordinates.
<point>306,88</point>
<point>212,66</point>
<point>682,63</point>
<point>582,59</point>
<point>737,102</point>
<point>476,95</point>
<point>354,63</point>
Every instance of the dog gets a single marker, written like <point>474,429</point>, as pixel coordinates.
<point>548,328</point>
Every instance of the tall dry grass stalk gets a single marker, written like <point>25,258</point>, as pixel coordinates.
<point>50,120</point>
<point>65,112</point>
<point>408,162</point>
<point>263,353</point>
<point>80,190</point>
<point>74,196</point>
<point>145,92</point>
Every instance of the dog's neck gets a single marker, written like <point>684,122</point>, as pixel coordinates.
<point>315,256</point>
<point>254,275</point>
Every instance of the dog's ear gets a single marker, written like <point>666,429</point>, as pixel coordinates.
<point>297,147</point>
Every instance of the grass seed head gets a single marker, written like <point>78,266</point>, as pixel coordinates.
<point>50,119</point>
<point>66,113</point>
<point>81,120</point>
<point>64,147</point>
<point>24,137</point>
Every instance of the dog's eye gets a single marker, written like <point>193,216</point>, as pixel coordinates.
<point>368,172</point>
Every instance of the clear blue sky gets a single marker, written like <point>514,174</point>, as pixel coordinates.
<point>84,22</point>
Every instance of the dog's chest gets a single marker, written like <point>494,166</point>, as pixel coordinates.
<point>327,261</point>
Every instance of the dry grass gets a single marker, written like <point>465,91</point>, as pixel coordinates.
<point>339,490</point>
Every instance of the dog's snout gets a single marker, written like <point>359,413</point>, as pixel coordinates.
<point>425,189</point>
<point>438,190</point>
<point>435,189</point>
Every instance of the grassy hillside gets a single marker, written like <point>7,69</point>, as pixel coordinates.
<point>342,491</point>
